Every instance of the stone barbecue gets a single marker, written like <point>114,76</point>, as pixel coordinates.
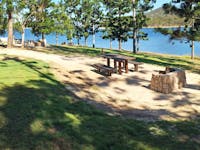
<point>168,81</point>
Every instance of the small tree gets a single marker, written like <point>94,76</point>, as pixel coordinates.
<point>96,19</point>
<point>25,10</point>
<point>73,8</point>
<point>62,23</point>
<point>78,30</point>
<point>107,32</point>
<point>139,7</point>
<point>3,20</point>
<point>11,8</point>
<point>42,21</point>
<point>86,9</point>
<point>118,25</point>
<point>8,8</point>
<point>190,10</point>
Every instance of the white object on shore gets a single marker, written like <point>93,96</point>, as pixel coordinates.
<point>3,40</point>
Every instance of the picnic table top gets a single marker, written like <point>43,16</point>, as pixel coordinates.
<point>109,55</point>
<point>118,57</point>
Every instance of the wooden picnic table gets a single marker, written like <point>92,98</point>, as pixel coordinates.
<point>120,59</point>
<point>108,57</point>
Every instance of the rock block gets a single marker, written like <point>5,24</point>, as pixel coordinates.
<point>168,82</point>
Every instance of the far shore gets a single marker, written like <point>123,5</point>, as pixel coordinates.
<point>164,26</point>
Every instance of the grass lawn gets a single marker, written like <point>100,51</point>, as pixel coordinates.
<point>37,112</point>
<point>156,59</point>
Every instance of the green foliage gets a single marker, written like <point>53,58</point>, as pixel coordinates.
<point>96,16</point>
<point>74,10</point>
<point>175,33</point>
<point>189,10</point>
<point>23,13</point>
<point>9,5</point>
<point>3,21</point>
<point>62,23</point>
<point>7,8</point>
<point>141,7</point>
<point>86,17</point>
<point>42,20</point>
<point>117,25</point>
<point>86,9</point>
<point>18,27</point>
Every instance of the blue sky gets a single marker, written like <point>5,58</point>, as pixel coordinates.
<point>159,3</point>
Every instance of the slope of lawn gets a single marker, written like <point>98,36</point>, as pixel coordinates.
<point>156,59</point>
<point>38,113</point>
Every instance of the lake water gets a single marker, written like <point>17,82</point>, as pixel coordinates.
<point>157,43</point>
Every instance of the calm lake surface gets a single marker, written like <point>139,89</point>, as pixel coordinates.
<point>157,43</point>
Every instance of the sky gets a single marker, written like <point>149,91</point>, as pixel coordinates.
<point>159,3</point>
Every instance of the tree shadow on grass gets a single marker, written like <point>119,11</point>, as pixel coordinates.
<point>168,61</point>
<point>79,50</point>
<point>2,64</point>
<point>47,117</point>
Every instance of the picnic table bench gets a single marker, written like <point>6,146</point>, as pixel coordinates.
<point>120,61</point>
<point>136,64</point>
<point>103,68</point>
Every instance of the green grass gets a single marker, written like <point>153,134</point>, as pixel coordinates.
<point>183,62</point>
<point>37,112</point>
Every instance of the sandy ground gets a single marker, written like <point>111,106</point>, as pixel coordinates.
<point>127,94</point>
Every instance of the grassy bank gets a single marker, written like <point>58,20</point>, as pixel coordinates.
<point>183,62</point>
<point>37,112</point>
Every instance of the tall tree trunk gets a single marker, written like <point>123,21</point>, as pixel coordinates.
<point>56,39</point>
<point>134,29</point>
<point>85,41</point>
<point>120,44</point>
<point>23,35</point>
<point>93,36</point>
<point>70,40</point>
<point>192,50</point>
<point>10,30</point>
<point>137,42</point>
<point>78,41</point>
<point>43,40</point>
<point>110,43</point>
<point>119,38</point>
<point>192,43</point>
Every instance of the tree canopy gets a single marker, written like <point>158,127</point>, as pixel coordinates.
<point>76,18</point>
<point>190,11</point>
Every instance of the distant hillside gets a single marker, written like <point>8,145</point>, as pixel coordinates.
<point>158,18</point>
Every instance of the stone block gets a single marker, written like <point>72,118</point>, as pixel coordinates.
<point>172,80</point>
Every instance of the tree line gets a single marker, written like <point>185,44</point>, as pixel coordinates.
<point>76,18</point>
<point>122,19</point>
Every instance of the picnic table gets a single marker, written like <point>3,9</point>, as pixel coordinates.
<point>108,57</point>
<point>120,59</point>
